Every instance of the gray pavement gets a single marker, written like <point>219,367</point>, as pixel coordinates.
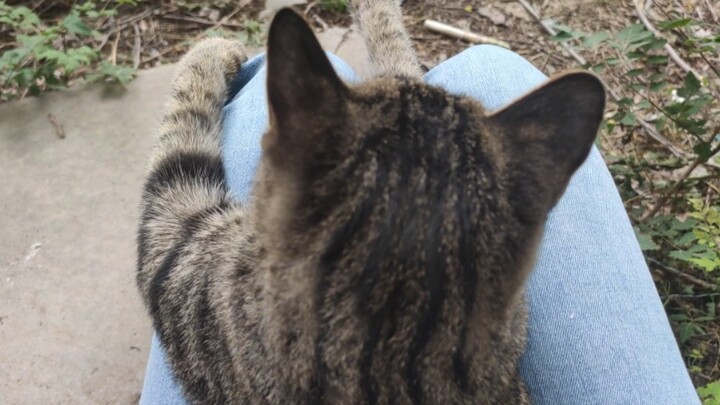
<point>72,328</point>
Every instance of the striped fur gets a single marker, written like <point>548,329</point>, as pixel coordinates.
<point>382,256</point>
<point>386,38</point>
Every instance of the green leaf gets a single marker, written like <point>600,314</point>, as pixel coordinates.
<point>593,40</point>
<point>629,119</point>
<point>643,104</point>
<point>599,68</point>
<point>633,33</point>
<point>85,7</point>
<point>561,37</point>
<point>657,86</point>
<point>692,84</point>
<point>687,331</point>
<point>73,23</point>
<point>635,72</point>
<point>108,71</point>
<point>32,41</point>
<point>672,24</point>
<point>686,239</point>
<point>645,241</point>
<point>710,393</point>
<point>680,255</point>
<point>702,150</point>
<point>24,18</point>
<point>50,54</point>
<point>685,225</point>
<point>625,102</point>
<point>705,263</point>
<point>660,123</point>
<point>655,43</point>
<point>657,60</point>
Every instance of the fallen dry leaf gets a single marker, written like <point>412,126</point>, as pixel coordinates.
<point>495,15</point>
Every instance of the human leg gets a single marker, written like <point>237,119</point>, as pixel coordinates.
<point>598,332</point>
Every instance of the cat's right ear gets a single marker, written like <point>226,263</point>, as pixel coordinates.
<point>303,89</point>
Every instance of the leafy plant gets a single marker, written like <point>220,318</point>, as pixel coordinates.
<point>710,393</point>
<point>699,246</point>
<point>46,57</point>
<point>339,6</point>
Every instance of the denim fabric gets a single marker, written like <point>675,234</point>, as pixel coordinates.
<point>598,333</point>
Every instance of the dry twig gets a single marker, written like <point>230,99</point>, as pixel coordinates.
<point>203,21</point>
<point>712,10</point>
<point>137,46</point>
<point>59,131</point>
<point>668,48</point>
<point>691,279</point>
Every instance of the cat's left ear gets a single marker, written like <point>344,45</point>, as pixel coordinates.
<point>303,88</point>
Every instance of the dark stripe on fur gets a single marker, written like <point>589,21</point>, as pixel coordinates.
<point>434,277</point>
<point>190,96</point>
<point>157,285</point>
<point>188,167</point>
<point>197,118</point>
<point>328,262</point>
<point>376,325</point>
<point>469,277</point>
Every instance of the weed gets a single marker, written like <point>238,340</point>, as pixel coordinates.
<point>710,393</point>
<point>339,6</point>
<point>47,57</point>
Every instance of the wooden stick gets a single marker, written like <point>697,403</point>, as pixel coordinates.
<point>468,36</point>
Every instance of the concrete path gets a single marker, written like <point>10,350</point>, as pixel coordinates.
<point>72,328</point>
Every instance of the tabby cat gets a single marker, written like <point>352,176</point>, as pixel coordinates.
<point>382,255</point>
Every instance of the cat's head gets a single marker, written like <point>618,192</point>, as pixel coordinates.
<point>395,174</point>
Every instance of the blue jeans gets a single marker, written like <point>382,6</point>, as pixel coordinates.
<point>598,333</point>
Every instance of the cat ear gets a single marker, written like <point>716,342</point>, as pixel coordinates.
<point>303,88</point>
<point>549,133</point>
